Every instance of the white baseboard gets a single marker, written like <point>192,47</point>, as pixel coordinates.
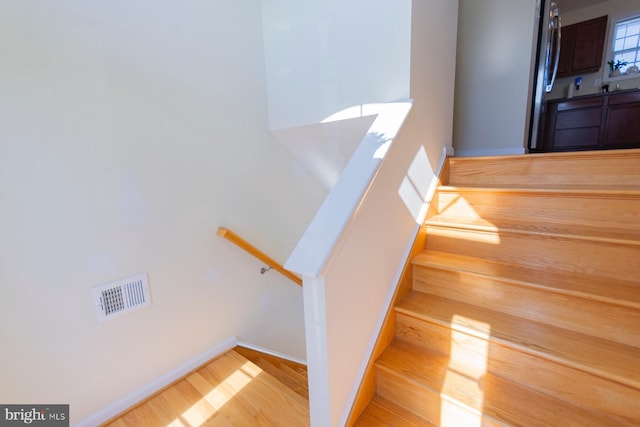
<point>271,352</point>
<point>491,152</point>
<point>447,151</point>
<point>147,390</point>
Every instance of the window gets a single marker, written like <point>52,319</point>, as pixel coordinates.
<point>625,53</point>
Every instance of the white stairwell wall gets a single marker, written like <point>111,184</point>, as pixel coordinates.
<point>129,131</point>
<point>348,286</point>
<point>496,52</point>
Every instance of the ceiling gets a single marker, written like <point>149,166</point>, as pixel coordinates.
<point>569,5</point>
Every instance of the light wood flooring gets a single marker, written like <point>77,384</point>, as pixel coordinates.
<point>240,388</point>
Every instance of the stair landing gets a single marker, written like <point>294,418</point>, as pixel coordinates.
<point>228,391</point>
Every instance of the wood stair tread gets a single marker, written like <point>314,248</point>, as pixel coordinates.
<point>252,355</point>
<point>601,168</point>
<point>604,358</point>
<point>500,401</point>
<point>291,374</point>
<point>619,292</point>
<point>383,412</point>
<point>284,376</point>
<point>622,153</point>
<point>566,231</point>
<point>630,191</point>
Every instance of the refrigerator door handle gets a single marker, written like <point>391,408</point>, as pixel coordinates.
<point>555,24</point>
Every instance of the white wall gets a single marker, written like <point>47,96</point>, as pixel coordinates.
<point>592,82</point>
<point>128,133</point>
<point>346,302</point>
<point>325,56</point>
<point>493,76</point>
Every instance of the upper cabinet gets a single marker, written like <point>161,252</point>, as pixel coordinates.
<point>581,47</point>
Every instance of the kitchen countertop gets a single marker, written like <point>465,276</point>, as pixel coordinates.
<point>595,95</point>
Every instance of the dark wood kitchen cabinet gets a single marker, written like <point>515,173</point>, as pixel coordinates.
<point>581,47</point>
<point>623,121</point>
<point>592,122</point>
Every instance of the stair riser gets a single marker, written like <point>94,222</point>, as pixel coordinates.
<point>420,402</point>
<point>588,168</point>
<point>587,316</point>
<point>382,412</point>
<point>496,401</point>
<point>549,377</point>
<point>571,255</point>
<point>595,211</point>
<point>442,338</point>
<point>514,407</point>
<point>428,404</point>
<point>572,385</point>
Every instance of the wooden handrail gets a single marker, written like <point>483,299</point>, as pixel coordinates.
<point>248,247</point>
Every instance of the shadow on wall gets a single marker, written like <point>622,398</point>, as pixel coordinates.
<point>347,192</point>
<point>326,148</point>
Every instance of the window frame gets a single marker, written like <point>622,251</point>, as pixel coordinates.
<point>611,34</point>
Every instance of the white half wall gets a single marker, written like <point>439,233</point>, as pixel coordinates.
<point>347,291</point>
<point>319,242</point>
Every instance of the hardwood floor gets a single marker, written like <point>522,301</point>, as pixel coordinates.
<point>229,391</point>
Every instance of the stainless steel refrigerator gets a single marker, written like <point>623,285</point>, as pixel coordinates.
<point>549,25</point>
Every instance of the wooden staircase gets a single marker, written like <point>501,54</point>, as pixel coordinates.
<point>525,303</point>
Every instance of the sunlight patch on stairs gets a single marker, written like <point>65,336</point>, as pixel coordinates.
<point>466,370</point>
<point>454,414</point>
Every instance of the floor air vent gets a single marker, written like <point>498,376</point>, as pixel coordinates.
<point>122,296</point>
